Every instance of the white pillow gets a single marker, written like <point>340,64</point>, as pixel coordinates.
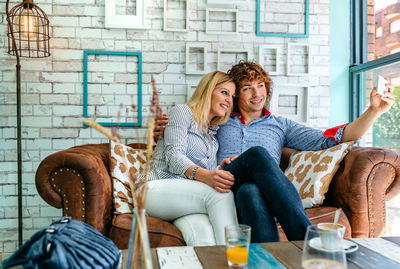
<point>311,172</point>
<point>124,160</point>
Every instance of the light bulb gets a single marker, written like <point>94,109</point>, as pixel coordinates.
<point>27,23</point>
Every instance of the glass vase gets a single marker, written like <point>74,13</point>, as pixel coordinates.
<point>139,254</point>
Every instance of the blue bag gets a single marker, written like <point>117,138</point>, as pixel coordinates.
<point>66,243</point>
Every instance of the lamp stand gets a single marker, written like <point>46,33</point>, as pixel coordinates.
<point>19,154</point>
<point>19,133</point>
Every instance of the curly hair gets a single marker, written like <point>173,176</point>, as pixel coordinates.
<point>247,71</point>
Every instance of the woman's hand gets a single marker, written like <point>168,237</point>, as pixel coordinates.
<point>227,161</point>
<point>220,180</point>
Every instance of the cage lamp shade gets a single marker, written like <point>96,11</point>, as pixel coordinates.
<point>29,26</point>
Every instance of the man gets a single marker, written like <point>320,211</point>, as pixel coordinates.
<point>250,125</point>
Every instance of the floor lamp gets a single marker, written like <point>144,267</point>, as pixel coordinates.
<point>28,36</point>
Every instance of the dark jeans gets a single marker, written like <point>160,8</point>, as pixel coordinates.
<point>264,193</point>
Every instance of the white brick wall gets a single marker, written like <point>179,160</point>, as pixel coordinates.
<point>52,87</point>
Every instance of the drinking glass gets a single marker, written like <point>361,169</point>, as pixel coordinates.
<point>318,255</point>
<point>237,238</point>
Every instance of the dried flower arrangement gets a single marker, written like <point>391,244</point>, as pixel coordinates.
<point>138,246</point>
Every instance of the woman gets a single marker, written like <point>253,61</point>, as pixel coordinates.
<point>184,178</point>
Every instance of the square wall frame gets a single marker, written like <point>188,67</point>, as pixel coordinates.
<point>189,70</point>
<point>306,23</point>
<point>223,2</point>
<point>166,28</point>
<point>301,92</point>
<point>290,47</point>
<point>226,9</point>
<point>112,20</point>
<point>86,53</point>
<point>261,49</point>
<point>220,51</point>
<point>190,88</point>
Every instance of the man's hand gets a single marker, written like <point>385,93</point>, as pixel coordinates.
<point>378,105</point>
<point>226,161</point>
<point>159,126</point>
<point>382,103</point>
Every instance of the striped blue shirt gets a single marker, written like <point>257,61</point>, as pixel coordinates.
<point>271,132</point>
<point>183,145</point>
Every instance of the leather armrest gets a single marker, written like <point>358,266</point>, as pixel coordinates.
<point>77,180</point>
<point>366,179</point>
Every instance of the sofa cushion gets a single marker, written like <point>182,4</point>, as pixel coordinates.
<point>311,172</point>
<point>124,162</point>
<point>161,233</point>
<point>322,214</point>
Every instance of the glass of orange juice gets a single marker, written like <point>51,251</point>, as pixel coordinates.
<point>237,238</point>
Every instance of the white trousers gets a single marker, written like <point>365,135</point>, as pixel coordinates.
<point>170,199</point>
<point>196,229</point>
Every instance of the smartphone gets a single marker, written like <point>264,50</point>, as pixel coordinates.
<point>381,87</point>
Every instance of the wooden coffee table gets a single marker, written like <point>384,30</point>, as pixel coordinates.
<point>289,254</point>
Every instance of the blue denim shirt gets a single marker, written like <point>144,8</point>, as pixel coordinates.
<point>273,133</point>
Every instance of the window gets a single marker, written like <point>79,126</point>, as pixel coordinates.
<point>395,26</point>
<point>376,51</point>
<point>378,32</point>
<point>396,50</point>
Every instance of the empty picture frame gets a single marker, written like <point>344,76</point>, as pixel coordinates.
<point>190,89</point>
<point>298,59</point>
<point>271,65</point>
<point>223,2</point>
<point>134,21</point>
<point>176,19</point>
<point>221,23</point>
<point>199,66</point>
<point>277,21</point>
<point>291,101</point>
<point>235,60</point>
<point>86,53</point>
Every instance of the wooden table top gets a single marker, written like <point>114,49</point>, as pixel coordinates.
<point>287,253</point>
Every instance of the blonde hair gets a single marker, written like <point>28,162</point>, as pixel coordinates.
<point>200,102</point>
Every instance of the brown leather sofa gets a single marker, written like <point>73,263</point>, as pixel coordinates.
<point>78,181</point>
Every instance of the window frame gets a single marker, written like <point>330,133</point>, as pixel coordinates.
<point>397,24</point>
<point>359,63</point>
<point>380,32</point>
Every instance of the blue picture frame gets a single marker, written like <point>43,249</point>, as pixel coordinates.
<point>86,53</point>
<point>306,23</point>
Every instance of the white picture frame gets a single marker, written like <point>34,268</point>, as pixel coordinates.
<point>290,47</point>
<point>277,50</point>
<point>223,2</point>
<point>190,89</point>
<point>168,29</point>
<point>301,92</point>
<point>189,70</point>
<point>112,20</point>
<point>220,51</point>
<point>226,9</point>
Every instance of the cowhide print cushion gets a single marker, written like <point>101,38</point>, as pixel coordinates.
<point>311,172</point>
<point>124,161</point>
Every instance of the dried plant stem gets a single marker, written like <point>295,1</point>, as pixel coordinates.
<point>101,129</point>
<point>149,152</point>
<point>135,253</point>
<point>138,222</point>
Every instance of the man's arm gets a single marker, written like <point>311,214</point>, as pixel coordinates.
<point>379,105</point>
